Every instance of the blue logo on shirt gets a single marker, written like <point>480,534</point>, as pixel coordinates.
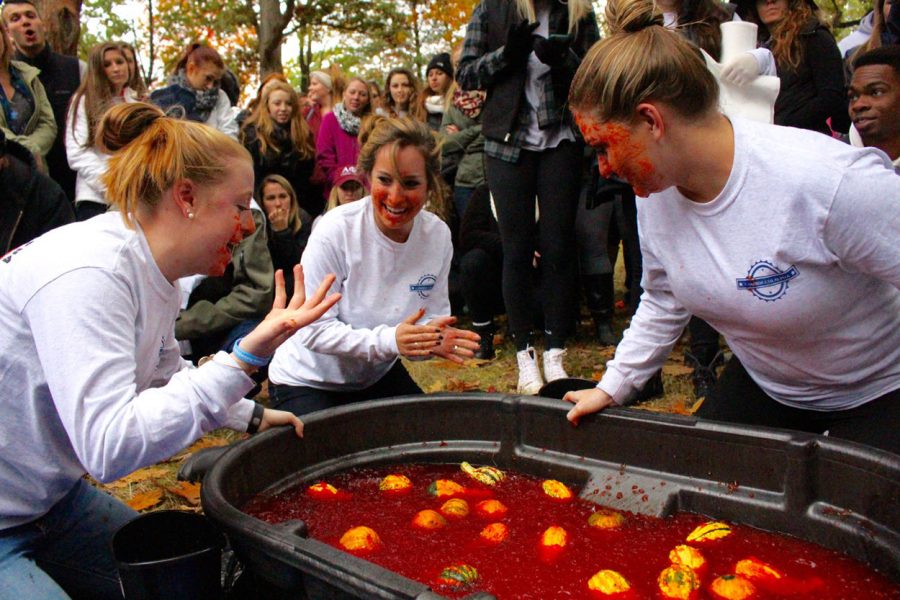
<point>766,281</point>
<point>425,285</point>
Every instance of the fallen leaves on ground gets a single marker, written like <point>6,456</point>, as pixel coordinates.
<point>145,500</point>
<point>187,490</point>
<point>204,442</point>
<point>452,384</point>
<point>138,476</point>
<point>676,369</point>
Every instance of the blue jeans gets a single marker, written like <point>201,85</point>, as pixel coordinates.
<point>67,552</point>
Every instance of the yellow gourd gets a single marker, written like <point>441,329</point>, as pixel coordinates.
<point>678,582</point>
<point>360,539</point>
<point>455,507</point>
<point>608,582</point>
<point>556,489</point>
<point>606,519</point>
<point>732,587</point>
<point>395,483</point>
<point>712,530</point>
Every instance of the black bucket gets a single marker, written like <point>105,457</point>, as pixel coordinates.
<point>169,554</point>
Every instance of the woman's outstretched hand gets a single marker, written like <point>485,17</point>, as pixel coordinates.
<point>285,319</point>
<point>454,344</point>
<point>586,402</point>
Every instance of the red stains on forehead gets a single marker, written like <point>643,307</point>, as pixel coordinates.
<point>618,152</point>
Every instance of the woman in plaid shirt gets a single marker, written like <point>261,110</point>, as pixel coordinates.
<point>525,53</point>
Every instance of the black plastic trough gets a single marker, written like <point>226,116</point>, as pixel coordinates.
<point>838,494</point>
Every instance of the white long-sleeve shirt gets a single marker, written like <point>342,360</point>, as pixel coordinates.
<point>796,263</point>
<point>88,163</point>
<point>354,344</point>
<point>90,374</point>
<point>223,117</point>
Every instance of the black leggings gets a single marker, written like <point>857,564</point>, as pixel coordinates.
<point>738,399</point>
<point>554,177</point>
<point>480,275</point>
<point>302,400</point>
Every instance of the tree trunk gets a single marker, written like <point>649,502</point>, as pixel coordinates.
<point>149,75</point>
<point>270,33</point>
<point>63,21</point>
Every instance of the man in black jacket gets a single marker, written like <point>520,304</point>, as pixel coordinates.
<point>32,203</point>
<point>60,76</point>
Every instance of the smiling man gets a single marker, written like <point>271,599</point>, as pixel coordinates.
<point>60,76</point>
<point>875,100</point>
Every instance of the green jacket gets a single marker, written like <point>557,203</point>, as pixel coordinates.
<point>245,292</point>
<point>40,133</point>
<point>467,146</point>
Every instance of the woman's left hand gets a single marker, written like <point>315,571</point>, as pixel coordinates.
<point>277,418</point>
<point>455,344</point>
<point>283,321</point>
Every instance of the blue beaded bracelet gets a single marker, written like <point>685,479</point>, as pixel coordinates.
<point>250,359</point>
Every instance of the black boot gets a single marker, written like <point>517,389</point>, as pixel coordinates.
<point>486,345</point>
<point>704,377</point>
<point>652,389</point>
<point>599,294</point>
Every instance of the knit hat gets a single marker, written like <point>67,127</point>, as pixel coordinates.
<point>441,61</point>
<point>349,173</point>
<point>323,78</point>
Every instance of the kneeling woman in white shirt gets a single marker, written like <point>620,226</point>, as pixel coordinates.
<point>392,261</point>
<point>783,240</point>
<point>91,377</point>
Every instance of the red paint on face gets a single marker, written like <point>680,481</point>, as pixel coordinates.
<point>618,153</point>
<point>398,191</point>
<point>242,227</point>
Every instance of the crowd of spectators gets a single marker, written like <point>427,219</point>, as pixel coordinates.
<point>546,225</point>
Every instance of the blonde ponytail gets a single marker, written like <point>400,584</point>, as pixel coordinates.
<point>150,152</point>
<point>640,61</point>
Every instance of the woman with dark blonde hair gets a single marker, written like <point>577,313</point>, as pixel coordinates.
<point>524,53</point>
<point>280,143</point>
<point>808,62</point>
<point>136,81</point>
<point>392,261</point>
<point>780,238</point>
<point>288,226</point>
<point>401,94</point>
<point>112,393</point>
<point>105,84</point>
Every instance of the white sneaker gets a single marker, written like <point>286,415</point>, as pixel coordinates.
<point>553,364</point>
<point>530,381</point>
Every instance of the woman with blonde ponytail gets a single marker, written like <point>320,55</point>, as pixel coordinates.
<point>780,238</point>
<point>524,53</point>
<point>92,380</point>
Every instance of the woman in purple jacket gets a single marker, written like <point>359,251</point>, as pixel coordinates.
<point>337,144</point>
